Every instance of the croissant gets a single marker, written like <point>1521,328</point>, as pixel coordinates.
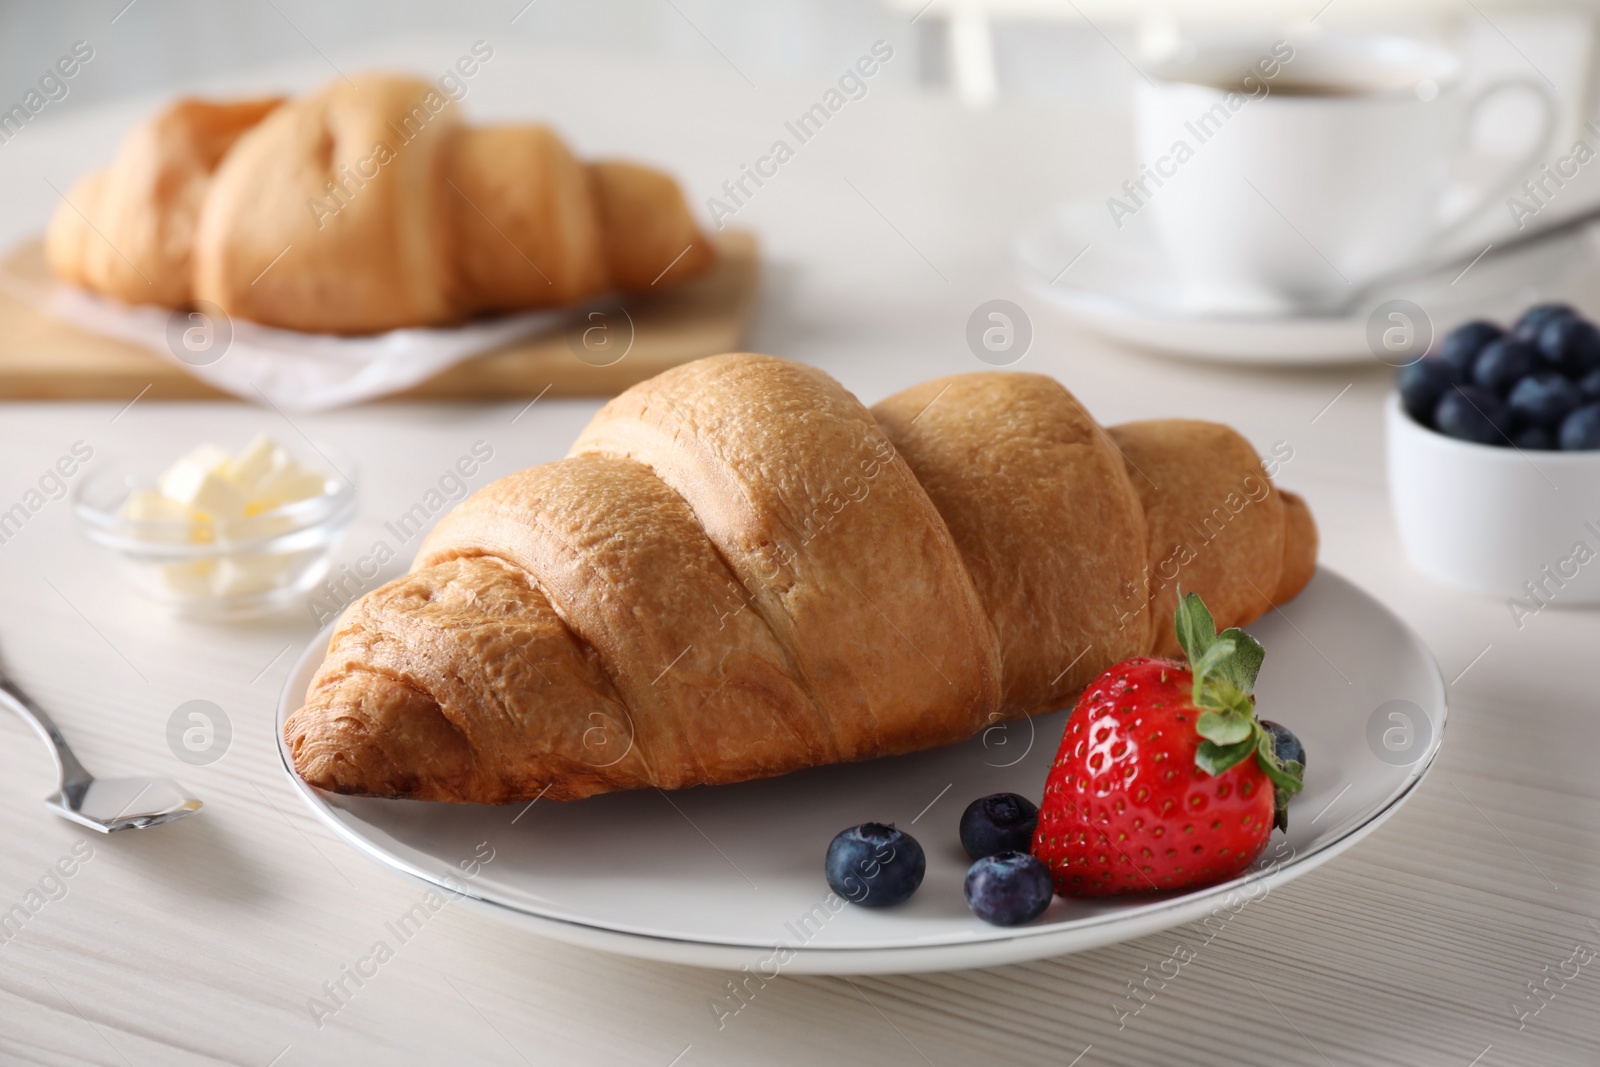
<point>739,571</point>
<point>364,207</point>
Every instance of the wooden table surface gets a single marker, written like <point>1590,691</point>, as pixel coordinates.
<point>202,942</point>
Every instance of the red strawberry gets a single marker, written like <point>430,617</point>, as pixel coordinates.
<point>1153,787</point>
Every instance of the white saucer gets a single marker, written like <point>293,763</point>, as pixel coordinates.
<point>1123,288</point>
<point>719,876</point>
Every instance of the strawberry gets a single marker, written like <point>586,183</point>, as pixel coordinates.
<point>1154,787</point>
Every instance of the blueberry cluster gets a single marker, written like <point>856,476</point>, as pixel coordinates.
<point>1005,885</point>
<point>1535,386</point>
<point>878,865</point>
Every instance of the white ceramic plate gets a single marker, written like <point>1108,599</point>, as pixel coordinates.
<point>719,876</point>
<point>1116,282</point>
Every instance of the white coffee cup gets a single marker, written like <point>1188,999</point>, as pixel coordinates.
<point>1323,168</point>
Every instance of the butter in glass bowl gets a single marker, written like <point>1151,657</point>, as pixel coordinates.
<point>220,534</point>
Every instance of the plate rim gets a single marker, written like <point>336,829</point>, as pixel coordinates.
<point>1149,917</point>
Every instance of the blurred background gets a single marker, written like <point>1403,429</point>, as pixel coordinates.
<point>1062,51</point>
<point>1064,59</point>
<point>992,114</point>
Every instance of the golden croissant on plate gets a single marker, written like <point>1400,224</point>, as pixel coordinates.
<point>739,571</point>
<point>364,207</point>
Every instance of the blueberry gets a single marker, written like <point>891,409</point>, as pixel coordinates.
<point>1472,414</point>
<point>1534,438</point>
<point>1543,398</point>
<point>1461,345</point>
<point>1008,888</point>
<point>1502,363</point>
<point>1571,345</point>
<point>1589,385</point>
<point>875,865</point>
<point>1001,822</point>
<point>1581,430</point>
<point>1535,318</point>
<point>1422,383</point>
<point>1285,743</point>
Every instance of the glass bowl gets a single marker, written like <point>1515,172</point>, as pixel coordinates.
<point>224,569</point>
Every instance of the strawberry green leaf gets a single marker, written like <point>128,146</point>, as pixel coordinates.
<point>1212,662</point>
<point>1280,809</point>
<point>1285,774</point>
<point>1197,631</point>
<point>1225,727</point>
<point>1245,664</point>
<point>1287,777</point>
<point>1221,697</point>
<point>1216,759</point>
<point>1225,666</point>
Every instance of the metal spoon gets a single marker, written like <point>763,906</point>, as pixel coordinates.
<point>105,805</point>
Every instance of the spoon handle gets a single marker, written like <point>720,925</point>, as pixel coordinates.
<point>72,772</point>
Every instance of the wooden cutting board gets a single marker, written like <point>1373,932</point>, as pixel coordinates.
<point>42,358</point>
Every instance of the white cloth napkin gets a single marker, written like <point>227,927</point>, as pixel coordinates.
<point>294,371</point>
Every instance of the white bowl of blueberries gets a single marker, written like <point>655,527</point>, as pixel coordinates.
<point>1494,460</point>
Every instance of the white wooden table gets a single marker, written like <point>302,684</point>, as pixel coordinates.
<point>201,942</point>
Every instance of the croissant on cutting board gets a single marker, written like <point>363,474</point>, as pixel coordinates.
<point>739,571</point>
<point>364,207</point>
